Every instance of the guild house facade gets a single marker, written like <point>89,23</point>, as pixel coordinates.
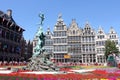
<point>75,44</point>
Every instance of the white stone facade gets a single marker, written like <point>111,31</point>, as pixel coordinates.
<point>101,37</point>
<point>81,45</point>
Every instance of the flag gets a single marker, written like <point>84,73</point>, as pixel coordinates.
<point>67,56</point>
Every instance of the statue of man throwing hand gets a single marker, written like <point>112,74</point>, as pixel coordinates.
<point>42,18</point>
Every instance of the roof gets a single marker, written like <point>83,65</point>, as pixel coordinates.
<point>5,16</point>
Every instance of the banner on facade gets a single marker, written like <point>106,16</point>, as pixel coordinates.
<point>67,56</point>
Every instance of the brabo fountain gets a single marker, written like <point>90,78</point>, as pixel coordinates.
<point>40,60</point>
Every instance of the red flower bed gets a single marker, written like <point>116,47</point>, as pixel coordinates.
<point>65,69</point>
<point>97,74</point>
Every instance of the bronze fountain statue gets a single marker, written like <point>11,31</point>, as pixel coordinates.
<point>39,60</point>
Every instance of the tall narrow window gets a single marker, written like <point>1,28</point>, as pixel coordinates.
<point>73,31</point>
<point>0,32</point>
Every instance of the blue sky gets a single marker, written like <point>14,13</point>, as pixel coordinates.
<point>105,13</point>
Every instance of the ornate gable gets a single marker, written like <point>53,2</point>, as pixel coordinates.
<point>87,26</point>
<point>74,29</point>
<point>48,34</point>
<point>100,31</point>
<point>112,34</point>
<point>48,31</point>
<point>100,34</point>
<point>112,31</point>
<point>60,25</point>
<point>87,29</point>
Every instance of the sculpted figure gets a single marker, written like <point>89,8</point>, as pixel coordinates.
<point>42,18</point>
<point>41,38</point>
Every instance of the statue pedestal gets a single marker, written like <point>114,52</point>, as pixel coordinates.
<point>41,63</point>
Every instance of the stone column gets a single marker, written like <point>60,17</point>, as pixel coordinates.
<point>89,58</point>
<point>82,58</point>
<point>92,58</point>
<point>85,58</point>
<point>96,58</point>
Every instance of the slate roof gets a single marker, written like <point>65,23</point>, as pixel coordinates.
<point>4,15</point>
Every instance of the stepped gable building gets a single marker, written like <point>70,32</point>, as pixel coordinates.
<point>112,35</point>
<point>88,44</point>
<point>74,44</point>
<point>60,40</point>
<point>10,36</point>
<point>49,42</point>
<point>100,39</point>
<point>74,34</point>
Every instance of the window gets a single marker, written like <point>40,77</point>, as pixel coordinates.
<point>73,31</point>
<point>55,34</point>
<point>63,33</point>
<point>48,33</point>
<point>3,33</point>
<point>98,37</point>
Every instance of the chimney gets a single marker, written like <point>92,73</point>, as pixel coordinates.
<point>9,13</point>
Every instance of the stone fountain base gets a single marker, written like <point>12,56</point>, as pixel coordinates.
<point>41,63</point>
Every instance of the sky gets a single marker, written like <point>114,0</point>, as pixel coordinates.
<point>104,13</point>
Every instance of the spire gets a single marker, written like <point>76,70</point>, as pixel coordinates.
<point>100,30</point>
<point>74,21</point>
<point>48,31</point>
<point>87,25</point>
<point>87,22</point>
<point>73,24</point>
<point>112,31</point>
